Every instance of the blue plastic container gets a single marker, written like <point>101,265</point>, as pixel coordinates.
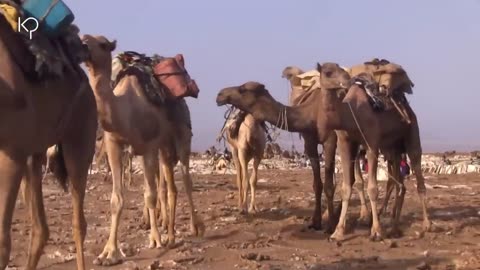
<point>53,15</point>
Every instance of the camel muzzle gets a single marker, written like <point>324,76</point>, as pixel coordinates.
<point>222,100</point>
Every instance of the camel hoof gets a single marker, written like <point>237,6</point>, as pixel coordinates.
<point>108,258</point>
<point>316,226</point>
<point>376,237</point>
<point>155,240</point>
<point>197,230</point>
<point>427,226</point>
<point>252,210</point>
<point>338,236</point>
<point>106,262</point>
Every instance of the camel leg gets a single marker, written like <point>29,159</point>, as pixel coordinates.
<point>111,254</point>
<point>253,184</point>
<point>150,161</point>
<point>11,173</point>
<point>163,199</point>
<point>238,167</point>
<point>359,187</point>
<point>312,153</point>
<point>77,158</point>
<point>399,197</point>
<point>416,159</point>
<point>33,187</point>
<point>167,168</point>
<point>242,156</point>
<point>197,226</point>
<point>393,171</point>
<point>388,193</point>
<point>347,154</point>
<point>329,148</point>
<point>414,151</point>
<point>372,189</point>
<point>129,170</point>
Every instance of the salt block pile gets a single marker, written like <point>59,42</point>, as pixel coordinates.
<point>459,164</point>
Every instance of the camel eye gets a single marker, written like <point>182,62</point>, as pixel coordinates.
<point>328,74</point>
<point>241,90</point>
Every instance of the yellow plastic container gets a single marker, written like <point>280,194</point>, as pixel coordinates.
<point>11,14</point>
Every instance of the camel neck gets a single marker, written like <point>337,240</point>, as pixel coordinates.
<point>293,119</point>
<point>104,96</point>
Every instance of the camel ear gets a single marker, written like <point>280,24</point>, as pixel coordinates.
<point>319,67</point>
<point>109,46</point>
<point>180,59</point>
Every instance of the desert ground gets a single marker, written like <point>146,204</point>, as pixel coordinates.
<point>274,238</point>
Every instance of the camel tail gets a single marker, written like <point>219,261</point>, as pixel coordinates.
<point>57,163</point>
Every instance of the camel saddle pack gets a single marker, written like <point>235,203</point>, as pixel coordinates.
<point>388,74</point>
<point>51,50</point>
<point>145,69</point>
<point>234,120</point>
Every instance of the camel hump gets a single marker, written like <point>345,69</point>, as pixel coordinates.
<point>131,63</point>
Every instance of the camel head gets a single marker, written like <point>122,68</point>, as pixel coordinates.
<point>244,96</point>
<point>333,76</point>
<point>389,76</point>
<point>100,50</point>
<point>290,72</point>
<point>172,74</point>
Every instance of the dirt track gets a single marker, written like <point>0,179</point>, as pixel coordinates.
<point>275,236</point>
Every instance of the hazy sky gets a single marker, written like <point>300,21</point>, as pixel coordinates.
<point>229,42</point>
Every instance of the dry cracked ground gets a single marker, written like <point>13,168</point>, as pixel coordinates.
<point>274,238</point>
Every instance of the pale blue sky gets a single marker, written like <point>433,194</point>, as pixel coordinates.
<point>229,42</point>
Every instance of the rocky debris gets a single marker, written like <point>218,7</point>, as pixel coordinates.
<point>255,257</point>
<point>155,265</point>
<point>191,260</point>
<point>128,250</point>
<point>130,265</point>
<point>423,266</point>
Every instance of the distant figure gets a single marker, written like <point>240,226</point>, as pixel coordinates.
<point>404,167</point>
<point>365,165</point>
<point>446,160</point>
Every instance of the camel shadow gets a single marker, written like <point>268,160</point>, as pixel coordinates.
<point>221,236</point>
<point>374,262</point>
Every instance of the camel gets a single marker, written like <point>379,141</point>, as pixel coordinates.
<point>382,70</point>
<point>128,117</point>
<point>299,96</point>
<point>330,112</point>
<point>248,144</point>
<point>34,116</point>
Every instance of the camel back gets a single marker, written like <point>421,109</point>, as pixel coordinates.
<point>17,48</point>
<point>43,55</point>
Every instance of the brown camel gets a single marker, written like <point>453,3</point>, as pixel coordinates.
<point>330,112</point>
<point>128,117</point>
<point>34,116</point>
<point>298,96</point>
<point>248,144</point>
<point>389,76</point>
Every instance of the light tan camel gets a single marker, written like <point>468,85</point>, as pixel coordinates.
<point>129,118</point>
<point>349,116</point>
<point>34,116</point>
<point>298,96</point>
<point>248,144</point>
